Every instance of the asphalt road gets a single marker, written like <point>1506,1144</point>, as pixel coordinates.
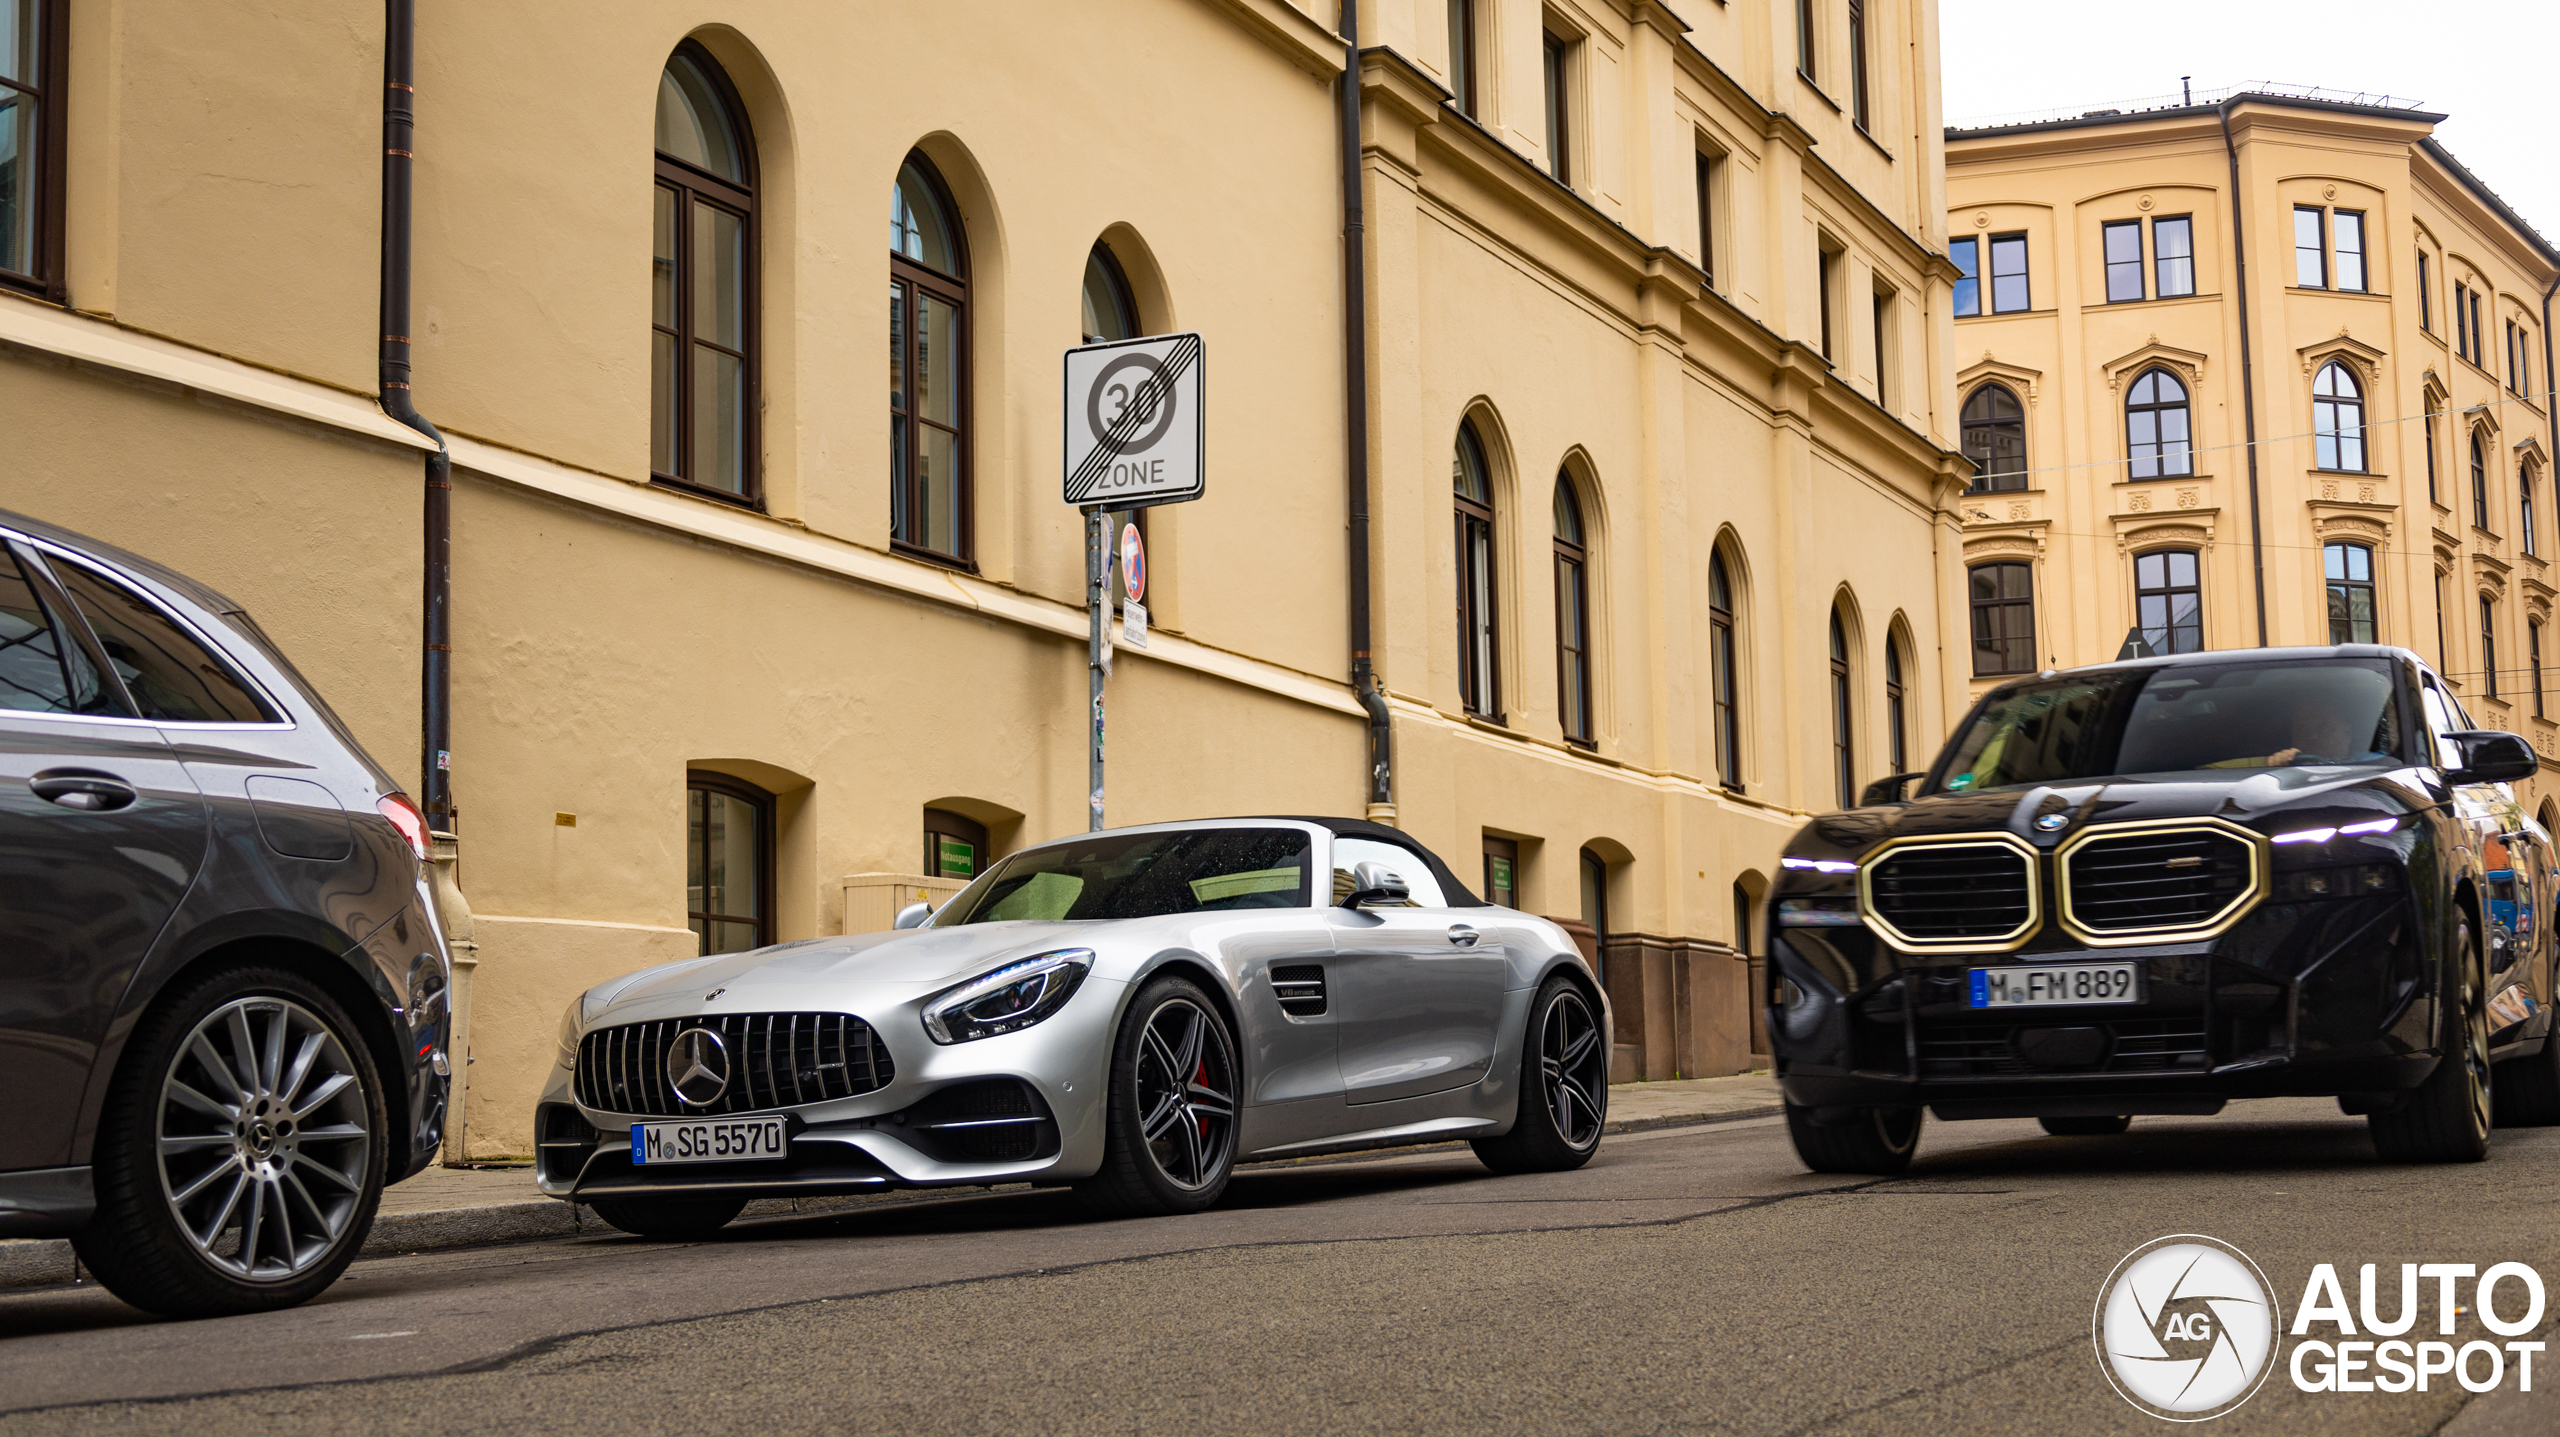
<point>1689,1280</point>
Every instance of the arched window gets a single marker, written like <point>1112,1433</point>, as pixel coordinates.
<point>702,366</point>
<point>2168,602</point>
<point>728,863</point>
<point>1479,679</point>
<point>928,366</point>
<point>2524,504</point>
<point>1726,678</point>
<point>2337,418</point>
<point>2155,427</point>
<point>1995,438</point>
<point>1844,758</point>
<point>1896,708</point>
<point>2479,481</point>
<point>1111,314</point>
<point>1573,617</point>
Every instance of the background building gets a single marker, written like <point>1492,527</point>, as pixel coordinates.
<point>1660,452</point>
<point>2378,324</point>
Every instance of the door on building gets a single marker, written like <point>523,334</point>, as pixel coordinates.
<point>101,831</point>
<point>1417,989</point>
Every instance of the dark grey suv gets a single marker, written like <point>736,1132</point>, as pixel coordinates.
<point>222,981</point>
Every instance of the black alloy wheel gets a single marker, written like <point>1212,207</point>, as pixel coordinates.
<point>2086,1127</point>
<point>2447,1118</point>
<point>1564,1087</point>
<point>671,1219</point>
<point>1170,1128</point>
<point>1876,1141</point>
<point>241,1154</point>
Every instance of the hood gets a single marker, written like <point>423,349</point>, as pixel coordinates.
<point>913,958</point>
<point>2243,796</point>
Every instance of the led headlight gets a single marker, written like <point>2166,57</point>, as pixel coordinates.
<point>2346,830</point>
<point>570,1023</point>
<point>1012,997</point>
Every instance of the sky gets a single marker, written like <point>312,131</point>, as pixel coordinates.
<point>2486,65</point>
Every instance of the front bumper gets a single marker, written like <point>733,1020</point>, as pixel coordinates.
<point>2322,997</point>
<point>1021,1107</point>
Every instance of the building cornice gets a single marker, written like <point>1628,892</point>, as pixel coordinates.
<point>1291,32</point>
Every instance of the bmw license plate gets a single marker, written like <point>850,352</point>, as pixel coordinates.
<point>2057,985</point>
<point>710,1140</point>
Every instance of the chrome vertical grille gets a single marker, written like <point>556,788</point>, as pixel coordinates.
<point>776,1060</point>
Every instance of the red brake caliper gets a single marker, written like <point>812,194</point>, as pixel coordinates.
<point>1202,1078</point>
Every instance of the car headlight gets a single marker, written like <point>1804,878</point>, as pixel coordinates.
<point>1012,997</point>
<point>570,1024</point>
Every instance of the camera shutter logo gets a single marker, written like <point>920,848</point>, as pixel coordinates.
<point>698,1067</point>
<point>2186,1327</point>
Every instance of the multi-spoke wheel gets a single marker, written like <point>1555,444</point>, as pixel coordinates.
<point>1564,1087</point>
<point>239,1164</point>
<point>1171,1135</point>
<point>2446,1119</point>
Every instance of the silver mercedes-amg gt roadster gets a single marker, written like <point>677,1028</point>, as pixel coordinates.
<point>1131,1012</point>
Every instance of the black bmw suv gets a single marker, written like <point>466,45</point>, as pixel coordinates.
<point>2158,885</point>
<point>222,979</point>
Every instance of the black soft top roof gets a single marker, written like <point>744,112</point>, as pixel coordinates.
<point>1458,894</point>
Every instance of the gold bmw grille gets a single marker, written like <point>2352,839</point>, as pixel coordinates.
<point>2159,881</point>
<point>1969,893</point>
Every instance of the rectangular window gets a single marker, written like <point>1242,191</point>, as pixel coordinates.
<point>2461,336</point>
<point>2008,274</point>
<point>2168,602</point>
<point>1462,56</point>
<point>1707,216</point>
<point>2479,352</point>
<point>2533,655</point>
<point>2430,435</point>
<point>2310,252</point>
<point>2488,647</point>
<point>1858,106</point>
<point>2350,573</point>
<point>1804,38</point>
<point>2004,619</point>
<point>2440,649</point>
<point>1501,871</point>
<point>2349,225</point>
<point>2124,260</point>
<point>1885,357</point>
<point>1559,125</point>
<point>1967,253</point>
<point>2426,296</point>
<point>33,51</point>
<point>2173,256</point>
<point>1829,271</point>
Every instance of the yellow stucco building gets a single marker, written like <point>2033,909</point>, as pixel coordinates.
<point>2269,368</point>
<point>1660,449</point>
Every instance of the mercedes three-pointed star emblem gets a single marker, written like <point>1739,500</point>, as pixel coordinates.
<point>698,1067</point>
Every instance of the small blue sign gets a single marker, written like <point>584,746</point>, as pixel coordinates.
<point>1981,989</point>
<point>640,1155</point>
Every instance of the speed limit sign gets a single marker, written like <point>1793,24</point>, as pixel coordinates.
<point>1135,422</point>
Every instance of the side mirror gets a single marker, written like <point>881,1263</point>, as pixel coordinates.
<point>1376,883</point>
<point>912,916</point>
<point>2490,756</point>
<point>1887,789</point>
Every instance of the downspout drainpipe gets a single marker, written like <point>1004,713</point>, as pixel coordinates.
<point>2248,376</point>
<point>399,128</point>
<point>1355,405</point>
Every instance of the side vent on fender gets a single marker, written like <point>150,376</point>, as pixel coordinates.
<point>1300,989</point>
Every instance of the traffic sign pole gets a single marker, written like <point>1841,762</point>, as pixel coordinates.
<point>1097,577</point>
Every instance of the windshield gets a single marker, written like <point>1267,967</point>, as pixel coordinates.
<point>2255,714</point>
<point>1141,875</point>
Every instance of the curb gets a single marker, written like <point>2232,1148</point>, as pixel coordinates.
<point>42,1262</point>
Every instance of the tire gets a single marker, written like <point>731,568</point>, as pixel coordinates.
<point>1877,1141</point>
<point>1564,1088</point>
<point>674,1219</point>
<point>2446,1119</point>
<point>1169,1130</point>
<point>218,1196</point>
<point>2086,1127</point>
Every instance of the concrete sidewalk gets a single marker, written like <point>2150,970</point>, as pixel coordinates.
<point>466,1207</point>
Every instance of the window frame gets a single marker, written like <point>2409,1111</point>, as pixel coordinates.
<point>2341,591</point>
<point>1977,608</point>
<point>2533,655</point>
<point>2461,335</point>
<point>2317,251</point>
<point>2429,433</point>
<point>1479,679</point>
<point>1573,589</point>
<point>2160,288</point>
<point>2158,458</point>
<point>1861,109</point>
<point>1555,58</point>
<point>2336,436</point>
<point>1844,712</point>
<point>1725,665</point>
<point>2480,510</point>
<point>2167,591</point>
<point>1896,708</point>
<point>2339,222</point>
<point>1462,57</point>
<point>2426,294</point>
<point>2108,264</point>
<point>48,276</point>
<point>2526,473</point>
<point>762,803</point>
<point>1881,312</point>
<point>1987,480</point>
<point>1827,270</point>
<point>946,823</point>
<point>2489,646</point>
<point>2479,352</point>
<point>692,186</point>
<point>1968,272</point>
<point>2025,274</point>
<point>1710,167</point>
<point>919,280</point>
<point>1808,45</point>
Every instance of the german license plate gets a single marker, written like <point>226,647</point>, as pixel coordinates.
<point>2057,985</point>
<point>710,1140</point>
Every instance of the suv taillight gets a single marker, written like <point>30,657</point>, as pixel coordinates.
<point>405,817</point>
